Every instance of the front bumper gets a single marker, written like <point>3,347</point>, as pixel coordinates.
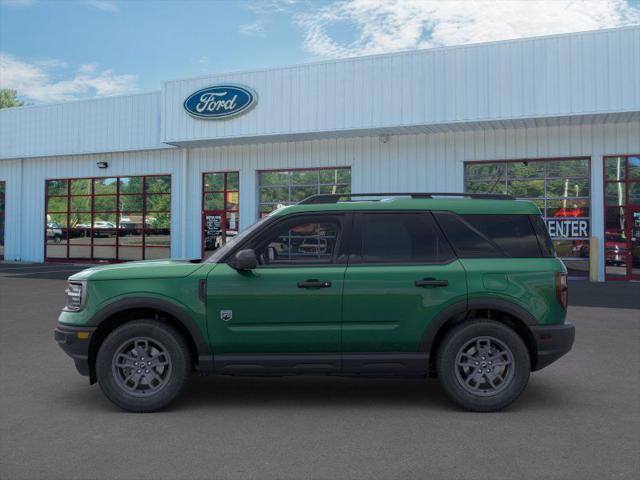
<point>75,342</point>
<point>552,342</point>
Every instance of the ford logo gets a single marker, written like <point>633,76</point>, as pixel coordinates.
<point>220,101</point>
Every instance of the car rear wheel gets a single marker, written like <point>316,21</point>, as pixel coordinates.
<point>143,365</point>
<point>483,365</point>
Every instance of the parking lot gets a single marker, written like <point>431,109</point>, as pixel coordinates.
<point>578,418</point>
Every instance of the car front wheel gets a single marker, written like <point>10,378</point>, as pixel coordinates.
<point>143,365</point>
<point>483,365</point>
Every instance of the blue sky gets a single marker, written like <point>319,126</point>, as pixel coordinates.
<point>63,50</point>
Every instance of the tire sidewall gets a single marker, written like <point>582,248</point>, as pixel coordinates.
<point>177,349</point>
<point>460,336</point>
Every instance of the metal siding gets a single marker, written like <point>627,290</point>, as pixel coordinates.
<point>555,76</point>
<point>90,126</point>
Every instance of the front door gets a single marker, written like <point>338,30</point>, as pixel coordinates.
<point>289,305</point>
<point>402,275</point>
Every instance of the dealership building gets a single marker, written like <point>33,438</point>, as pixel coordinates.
<point>177,172</point>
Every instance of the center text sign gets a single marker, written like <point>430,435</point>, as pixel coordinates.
<point>568,227</point>
<point>220,101</point>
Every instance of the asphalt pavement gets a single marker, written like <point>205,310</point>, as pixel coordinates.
<point>579,418</point>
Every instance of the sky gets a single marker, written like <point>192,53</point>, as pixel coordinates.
<point>59,50</point>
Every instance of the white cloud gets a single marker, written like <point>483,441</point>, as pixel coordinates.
<point>269,6</point>
<point>104,5</point>
<point>389,25</point>
<point>36,81</point>
<point>51,63</point>
<point>252,29</point>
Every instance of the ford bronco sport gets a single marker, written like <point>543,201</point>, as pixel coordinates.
<point>460,286</point>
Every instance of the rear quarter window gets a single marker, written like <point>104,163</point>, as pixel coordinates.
<point>491,236</point>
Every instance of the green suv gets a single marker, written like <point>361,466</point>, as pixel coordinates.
<point>459,286</point>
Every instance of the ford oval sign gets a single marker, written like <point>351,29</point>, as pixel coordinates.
<point>220,101</point>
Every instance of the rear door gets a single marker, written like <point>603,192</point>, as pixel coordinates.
<point>401,274</point>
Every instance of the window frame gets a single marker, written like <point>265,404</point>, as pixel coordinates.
<point>91,212</point>
<point>355,248</point>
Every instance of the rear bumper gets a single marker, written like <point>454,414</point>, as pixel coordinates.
<point>75,345</point>
<point>552,342</point>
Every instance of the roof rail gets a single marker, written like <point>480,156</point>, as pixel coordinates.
<point>335,198</point>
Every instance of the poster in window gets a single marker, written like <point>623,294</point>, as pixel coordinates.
<point>213,232</point>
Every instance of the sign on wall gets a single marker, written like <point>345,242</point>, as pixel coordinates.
<point>219,102</point>
<point>568,227</point>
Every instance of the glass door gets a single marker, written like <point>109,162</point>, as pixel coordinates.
<point>622,217</point>
<point>634,261</point>
<point>220,208</point>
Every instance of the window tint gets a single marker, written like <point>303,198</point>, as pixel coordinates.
<point>514,234</point>
<point>467,241</point>
<point>402,238</point>
<point>302,241</point>
<point>491,235</point>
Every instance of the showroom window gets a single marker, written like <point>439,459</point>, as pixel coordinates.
<point>561,188</point>
<point>278,188</point>
<point>108,219</point>
<point>2,210</point>
<point>622,217</point>
<point>220,209</point>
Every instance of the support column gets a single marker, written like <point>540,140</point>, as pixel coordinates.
<point>248,197</point>
<point>597,213</point>
<point>184,201</point>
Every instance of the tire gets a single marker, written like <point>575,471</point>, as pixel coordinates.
<point>165,359</point>
<point>488,347</point>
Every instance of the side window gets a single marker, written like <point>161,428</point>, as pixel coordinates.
<point>514,234</point>
<point>402,238</point>
<point>467,241</point>
<point>304,240</point>
<point>490,236</point>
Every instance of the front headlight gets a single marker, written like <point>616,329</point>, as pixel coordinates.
<point>75,295</point>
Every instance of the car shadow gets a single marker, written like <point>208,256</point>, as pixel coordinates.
<point>308,392</point>
<point>314,392</point>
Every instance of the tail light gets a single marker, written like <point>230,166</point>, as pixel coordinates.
<point>562,290</point>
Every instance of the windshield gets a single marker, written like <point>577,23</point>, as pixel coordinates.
<point>222,251</point>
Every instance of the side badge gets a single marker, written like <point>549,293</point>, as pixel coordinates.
<point>226,315</point>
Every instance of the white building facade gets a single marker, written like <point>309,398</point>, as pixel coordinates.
<point>552,119</point>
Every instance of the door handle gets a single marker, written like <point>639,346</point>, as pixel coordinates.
<point>431,282</point>
<point>314,284</point>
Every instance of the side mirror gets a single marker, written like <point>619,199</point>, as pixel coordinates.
<point>245,260</point>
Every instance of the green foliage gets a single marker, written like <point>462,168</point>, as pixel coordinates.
<point>8,98</point>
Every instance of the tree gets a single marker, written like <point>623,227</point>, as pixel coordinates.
<point>8,98</point>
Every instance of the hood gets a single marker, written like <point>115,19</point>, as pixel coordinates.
<point>175,268</point>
